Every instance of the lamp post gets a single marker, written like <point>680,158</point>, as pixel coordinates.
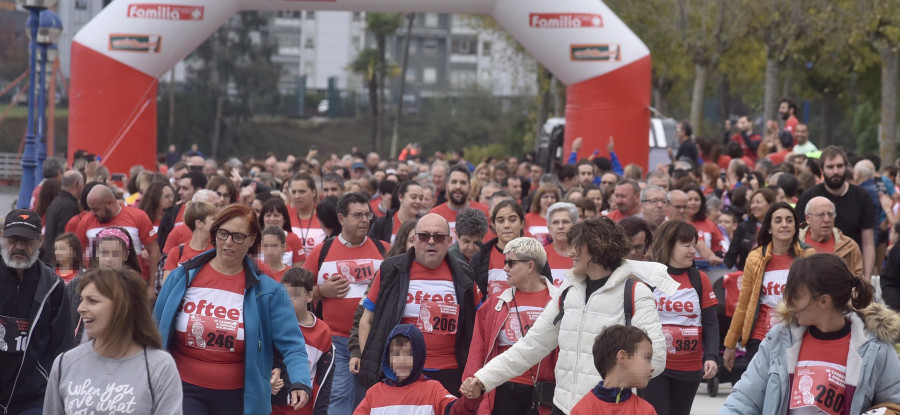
<point>29,161</point>
<point>49,32</point>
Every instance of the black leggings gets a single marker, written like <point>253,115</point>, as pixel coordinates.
<point>198,400</point>
<point>670,396</point>
<point>512,399</point>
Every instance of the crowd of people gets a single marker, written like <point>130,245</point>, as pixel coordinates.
<point>375,286</point>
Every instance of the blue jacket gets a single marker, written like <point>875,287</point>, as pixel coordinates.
<point>872,370</point>
<point>269,321</point>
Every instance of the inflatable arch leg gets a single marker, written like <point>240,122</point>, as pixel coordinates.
<point>119,55</point>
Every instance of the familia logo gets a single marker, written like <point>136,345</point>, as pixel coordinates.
<point>596,52</point>
<point>565,20</point>
<point>135,43</point>
<point>165,11</point>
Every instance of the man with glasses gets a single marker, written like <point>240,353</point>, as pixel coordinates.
<point>440,298</point>
<point>653,205</point>
<point>677,208</point>
<point>344,266</point>
<point>35,316</point>
<point>820,233</point>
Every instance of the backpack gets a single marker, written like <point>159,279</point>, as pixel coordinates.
<point>162,263</point>
<point>628,302</point>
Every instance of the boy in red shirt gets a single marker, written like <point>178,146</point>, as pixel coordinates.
<point>405,389</point>
<point>622,355</point>
<point>299,284</point>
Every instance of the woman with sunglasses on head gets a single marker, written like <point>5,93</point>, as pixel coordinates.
<point>222,321</point>
<point>688,320</point>
<point>765,274</point>
<point>123,363</point>
<point>506,318</point>
<point>831,354</point>
<point>508,221</point>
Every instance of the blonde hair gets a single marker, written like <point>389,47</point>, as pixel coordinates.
<point>529,249</point>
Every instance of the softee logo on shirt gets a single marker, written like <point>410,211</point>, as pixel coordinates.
<point>211,310</point>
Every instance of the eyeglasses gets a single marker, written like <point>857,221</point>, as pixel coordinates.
<point>656,201</point>
<point>679,207</point>
<point>511,262</point>
<point>361,215</point>
<point>830,215</point>
<point>424,237</point>
<point>238,238</point>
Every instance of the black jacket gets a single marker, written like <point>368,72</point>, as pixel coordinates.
<point>480,264</point>
<point>383,227</point>
<point>63,207</point>
<point>391,302</point>
<point>743,241</point>
<point>167,223</point>
<point>890,279</point>
<point>23,376</point>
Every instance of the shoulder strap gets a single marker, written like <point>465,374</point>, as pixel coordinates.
<point>697,282</point>
<point>59,369</point>
<point>378,245</point>
<point>629,300</point>
<point>326,246</point>
<point>149,383</point>
<point>180,251</point>
<point>562,310</point>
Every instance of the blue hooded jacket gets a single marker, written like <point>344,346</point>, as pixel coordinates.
<point>417,341</point>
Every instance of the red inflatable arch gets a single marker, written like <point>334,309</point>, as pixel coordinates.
<point>119,55</point>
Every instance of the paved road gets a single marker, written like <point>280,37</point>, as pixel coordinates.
<point>8,196</point>
<point>704,405</point>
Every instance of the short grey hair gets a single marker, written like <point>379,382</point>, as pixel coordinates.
<point>470,222</point>
<point>565,207</point>
<point>53,167</point>
<point>529,249</point>
<point>205,195</point>
<point>865,168</point>
<point>651,188</point>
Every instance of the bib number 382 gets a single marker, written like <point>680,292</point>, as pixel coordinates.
<point>438,318</point>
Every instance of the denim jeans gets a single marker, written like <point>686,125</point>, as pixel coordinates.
<point>346,392</point>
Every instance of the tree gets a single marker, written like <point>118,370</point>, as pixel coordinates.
<point>381,25</point>
<point>365,65</point>
<point>395,136</point>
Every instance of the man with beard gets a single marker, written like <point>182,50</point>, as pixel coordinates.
<point>787,109</point>
<point>855,215</point>
<point>457,197</point>
<point>106,212</point>
<point>35,316</point>
<point>801,134</point>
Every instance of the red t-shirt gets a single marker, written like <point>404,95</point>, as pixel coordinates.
<point>449,214</point>
<point>174,259</point>
<point>819,379</point>
<point>431,305</point>
<point>591,404</point>
<point>773,282</point>
<point>209,331</point>
<point>180,234</point>
<point>68,276</point>
<point>826,247</point>
<point>420,397</point>
<point>318,342</point>
<point>496,277</point>
<point>778,157</point>
<point>357,265</point>
<point>275,275</point>
<point>790,125</point>
<point>133,220</point>
<point>708,234</point>
<point>558,265</point>
<point>522,314</point>
<point>537,226</point>
<point>616,215</point>
<point>179,217</point>
<point>681,322</point>
<point>308,230</point>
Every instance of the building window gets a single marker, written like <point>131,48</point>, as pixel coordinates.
<point>357,16</point>
<point>311,15</point>
<point>486,48</point>
<point>81,4</point>
<point>354,41</point>
<point>461,78</point>
<point>429,76</point>
<point>432,20</point>
<point>464,46</point>
<point>430,46</point>
<point>410,75</point>
<point>310,43</point>
<point>308,68</point>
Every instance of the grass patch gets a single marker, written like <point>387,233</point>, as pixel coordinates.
<point>21,111</point>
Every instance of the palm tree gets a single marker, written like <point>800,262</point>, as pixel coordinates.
<point>381,25</point>
<point>365,64</point>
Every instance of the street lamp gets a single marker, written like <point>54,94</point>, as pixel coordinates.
<point>29,162</point>
<point>49,32</point>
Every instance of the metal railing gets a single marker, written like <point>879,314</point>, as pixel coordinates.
<point>10,166</point>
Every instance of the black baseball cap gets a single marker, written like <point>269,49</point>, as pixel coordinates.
<point>24,223</point>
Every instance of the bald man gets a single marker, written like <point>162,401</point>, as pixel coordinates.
<point>430,283</point>
<point>820,233</point>
<point>105,212</point>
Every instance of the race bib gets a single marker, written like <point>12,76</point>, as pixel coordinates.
<point>13,334</point>
<point>438,318</point>
<point>818,387</point>
<point>682,340</point>
<point>210,333</point>
<point>514,330</point>
<point>356,270</point>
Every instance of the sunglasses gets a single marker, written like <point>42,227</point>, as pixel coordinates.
<point>511,262</point>
<point>424,237</point>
